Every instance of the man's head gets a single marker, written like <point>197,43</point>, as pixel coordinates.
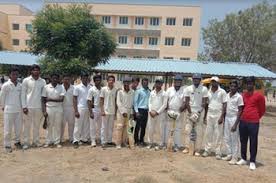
<point>234,85</point>
<point>197,79</point>
<point>54,78</point>
<point>110,80</point>
<point>135,83</point>
<point>97,79</point>
<point>178,81</point>
<point>158,84</point>
<point>214,81</point>
<point>126,82</point>
<point>145,82</point>
<point>84,78</point>
<point>35,70</point>
<point>14,72</point>
<point>250,83</point>
<point>66,79</point>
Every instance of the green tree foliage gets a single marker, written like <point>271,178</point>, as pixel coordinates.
<point>245,36</point>
<point>70,38</point>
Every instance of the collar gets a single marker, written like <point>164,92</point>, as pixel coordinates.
<point>39,78</point>
<point>50,84</point>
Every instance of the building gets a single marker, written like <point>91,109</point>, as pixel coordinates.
<point>141,31</point>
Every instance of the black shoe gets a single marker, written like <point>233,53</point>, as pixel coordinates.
<point>8,149</point>
<point>76,145</point>
<point>104,146</point>
<point>18,145</point>
<point>111,144</point>
<point>143,144</point>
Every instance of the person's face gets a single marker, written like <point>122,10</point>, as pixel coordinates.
<point>233,88</point>
<point>196,81</point>
<point>145,83</point>
<point>84,79</point>
<point>126,85</point>
<point>250,86</point>
<point>35,72</point>
<point>134,84</point>
<point>66,80</point>
<point>214,83</point>
<point>177,83</point>
<point>110,81</point>
<point>14,75</point>
<point>97,81</point>
<point>158,85</point>
<point>55,79</point>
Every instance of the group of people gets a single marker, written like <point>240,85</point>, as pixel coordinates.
<point>90,111</point>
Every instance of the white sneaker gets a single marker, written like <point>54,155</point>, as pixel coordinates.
<point>252,166</point>
<point>227,158</point>
<point>118,146</point>
<point>25,147</point>
<point>59,146</point>
<point>186,151</point>
<point>156,148</point>
<point>242,162</point>
<point>46,145</point>
<point>93,144</point>
<point>197,154</point>
<point>205,154</point>
<point>218,157</point>
<point>233,161</point>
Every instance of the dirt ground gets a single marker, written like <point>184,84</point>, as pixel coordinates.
<point>85,164</point>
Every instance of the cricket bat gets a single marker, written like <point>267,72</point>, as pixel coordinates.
<point>45,123</point>
<point>171,140</point>
<point>192,141</point>
<point>130,130</point>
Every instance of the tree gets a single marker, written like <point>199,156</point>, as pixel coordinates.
<point>70,38</point>
<point>245,36</point>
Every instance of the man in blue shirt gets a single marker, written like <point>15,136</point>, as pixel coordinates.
<point>141,106</point>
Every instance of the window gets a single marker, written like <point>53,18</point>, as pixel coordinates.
<point>15,42</point>
<point>106,19</point>
<point>15,26</point>
<point>138,40</point>
<point>152,57</point>
<point>153,41</point>
<point>184,58</point>
<point>154,21</point>
<point>28,42</point>
<point>169,41</point>
<point>187,22</point>
<point>170,21</point>
<point>122,56</point>
<point>29,27</point>
<point>171,58</point>
<point>139,21</point>
<point>137,56</point>
<point>123,39</point>
<point>123,20</point>
<point>186,42</point>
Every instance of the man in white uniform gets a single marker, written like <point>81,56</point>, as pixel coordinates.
<point>175,101</point>
<point>124,100</point>
<point>157,115</point>
<point>31,103</point>
<point>195,100</point>
<point>68,109</point>
<point>82,124</point>
<point>215,117</point>
<point>93,99</point>
<point>52,98</point>
<point>10,102</point>
<point>234,108</point>
<point>108,110</point>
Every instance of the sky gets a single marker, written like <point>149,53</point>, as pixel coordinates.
<point>210,9</point>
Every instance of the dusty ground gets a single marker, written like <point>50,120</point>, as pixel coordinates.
<point>138,166</point>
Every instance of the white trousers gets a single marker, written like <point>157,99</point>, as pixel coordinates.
<point>231,139</point>
<point>81,129</point>
<point>55,117</point>
<point>158,121</point>
<point>179,123</point>
<point>107,128</point>
<point>69,119</point>
<point>214,133</point>
<point>32,120</point>
<point>12,120</point>
<point>95,126</point>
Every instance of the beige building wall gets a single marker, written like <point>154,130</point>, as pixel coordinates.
<point>4,33</point>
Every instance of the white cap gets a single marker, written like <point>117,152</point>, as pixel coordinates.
<point>215,78</point>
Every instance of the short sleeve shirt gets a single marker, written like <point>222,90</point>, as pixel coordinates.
<point>233,104</point>
<point>68,97</point>
<point>196,95</point>
<point>175,98</point>
<point>94,92</point>
<point>52,92</point>
<point>81,91</point>
<point>109,96</point>
<point>216,100</point>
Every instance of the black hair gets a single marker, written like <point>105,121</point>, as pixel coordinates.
<point>145,79</point>
<point>234,81</point>
<point>35,66</point>
<point>136,79</point>
<point>97,77</point>
<point>84,74</point>
<point>14,69</point>
<point>250,79</point>
<point>110,76</point>
<point>66,75</point>
<point>54,74</point>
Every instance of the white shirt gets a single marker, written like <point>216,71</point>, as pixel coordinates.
<point>125,101</point>
<point>68,97</point>
<point>81,91</point>
<point>158,101</point>
<point>109,96</point>
<point>233,104</point>
<point>94,92</point>
<point>196,95</point>
<point>10,97</point>
<point>175,98</point>
<point>31,92</point>
<point>216,100</point>
<point>49,91</point>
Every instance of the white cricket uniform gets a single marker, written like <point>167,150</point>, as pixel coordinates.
<point>68,113</point>
<point>31,99</point>
<point>158,102</point>
<point>125,105</point>
<point>232,138</point>
<point>82,125</point>
<point>96,123</point>
<point>10,101</point>
<point>109,96</point>
<point>175,101</point>
<point>54,111</point>
<point>214,131</point>
<point>196,96</point>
